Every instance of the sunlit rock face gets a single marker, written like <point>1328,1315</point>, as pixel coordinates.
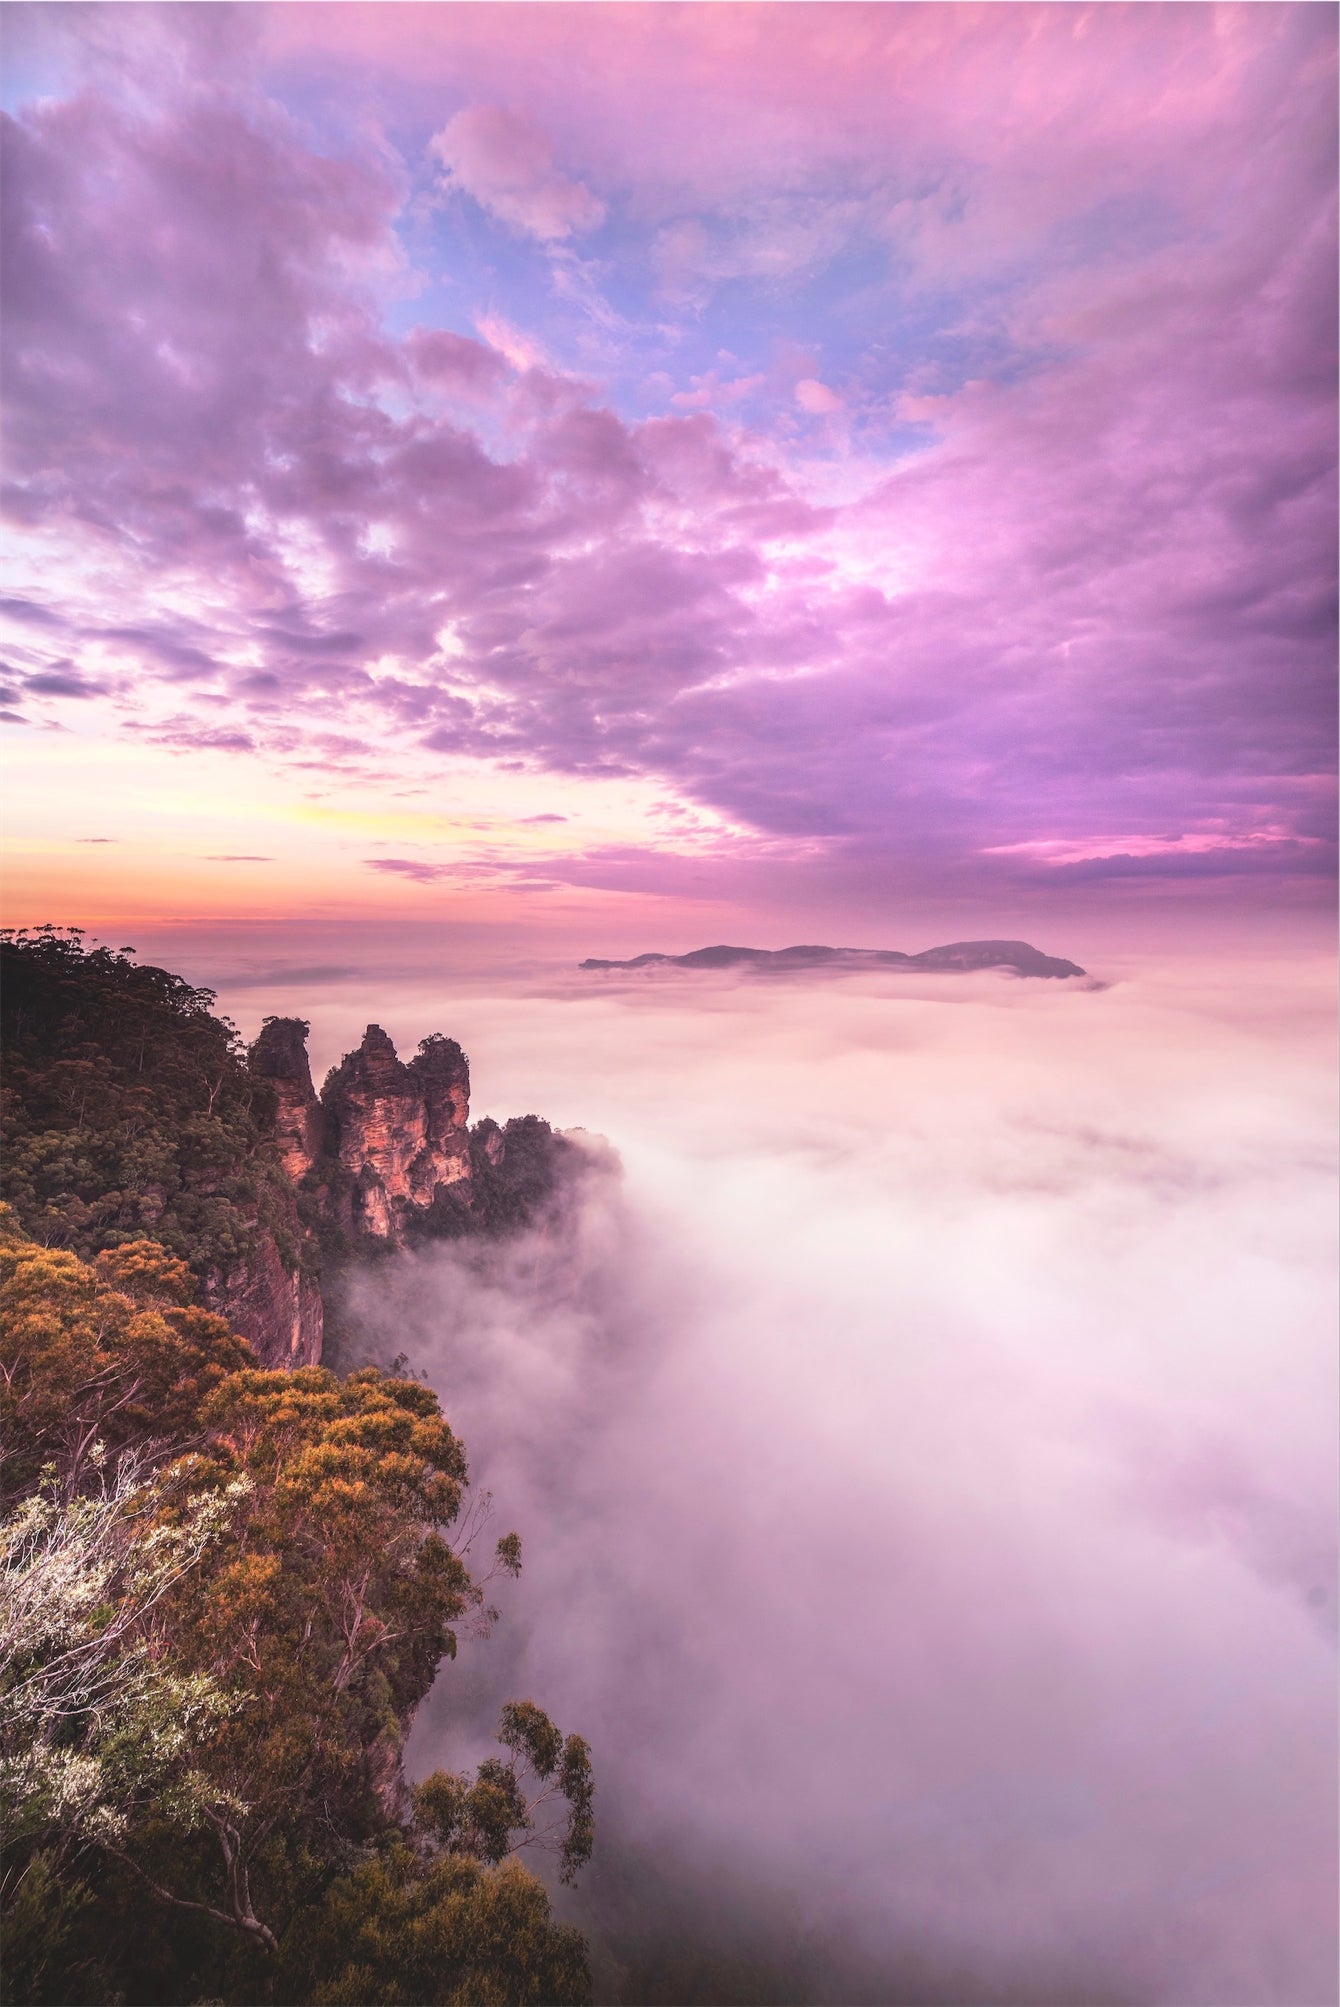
<point>401,1133</point>
<point>384,1158</point>
<point>279,1057</point>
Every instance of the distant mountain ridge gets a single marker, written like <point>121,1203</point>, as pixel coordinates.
<point>957,956</point>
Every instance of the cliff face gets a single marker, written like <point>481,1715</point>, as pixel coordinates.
<point>129,1112</point>
<point>382,1159</point>
<point>275,1307</point>
<point>279,1056</point>
<point>401,1133</point>
<point>273,1298</point>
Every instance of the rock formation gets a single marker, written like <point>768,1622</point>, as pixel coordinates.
<point>401,1133</point>
<point>383,1159</point>
<point>279,1056</point>
<point>273,1295</point>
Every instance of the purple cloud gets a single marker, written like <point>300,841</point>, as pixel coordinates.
<point>410,867</point>
<point>61,683</point>
<point>507,164</point>
<point>1089,592</point>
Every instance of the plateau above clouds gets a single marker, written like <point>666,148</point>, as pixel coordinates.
<point>961,956</point>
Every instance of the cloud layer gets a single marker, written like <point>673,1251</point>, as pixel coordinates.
<point>924,462</point>
<point>926,1466</point>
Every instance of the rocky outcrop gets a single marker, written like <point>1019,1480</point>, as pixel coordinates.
<point>273,1295</point>
<point>279,1057</point>
<point>400,1133</point>
<point>384,1158</point>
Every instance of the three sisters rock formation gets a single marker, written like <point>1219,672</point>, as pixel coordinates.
<point>384,1158</point>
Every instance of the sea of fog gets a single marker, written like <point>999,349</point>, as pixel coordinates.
<point>922,1434</point>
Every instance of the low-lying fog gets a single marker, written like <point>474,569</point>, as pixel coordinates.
<point>924,1454</point>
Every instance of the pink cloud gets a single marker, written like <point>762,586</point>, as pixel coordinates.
<point>966,135</point>
<point>506,162</point>
<point>816,397</point>
<point>711,392</point>
<point>410,867</point>
<point>453,361</point>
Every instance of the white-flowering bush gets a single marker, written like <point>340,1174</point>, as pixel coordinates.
<point>92,1713</point>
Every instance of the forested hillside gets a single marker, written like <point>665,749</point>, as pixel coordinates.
<point>225,1593</point>
<point>129,1108</point>
<point>225,1590</point>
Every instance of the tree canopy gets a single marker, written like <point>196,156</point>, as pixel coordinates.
<point>224,1593</point>
<point>128,1108</point>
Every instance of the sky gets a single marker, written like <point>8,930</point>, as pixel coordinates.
<point>649,474</point>
<point>498,484</point>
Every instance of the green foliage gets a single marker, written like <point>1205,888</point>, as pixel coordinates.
<point>128,1108</point>
<point>513,1803</point>
<point>223,1593</point>
<point>330,1611</point>
<point>512,1185</point>
<point>400,1929</point>
<point>46,1948</point>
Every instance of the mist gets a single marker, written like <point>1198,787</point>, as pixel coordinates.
<point>920,1423</point>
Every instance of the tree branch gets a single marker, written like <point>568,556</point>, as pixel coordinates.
<point>247,1922</point>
